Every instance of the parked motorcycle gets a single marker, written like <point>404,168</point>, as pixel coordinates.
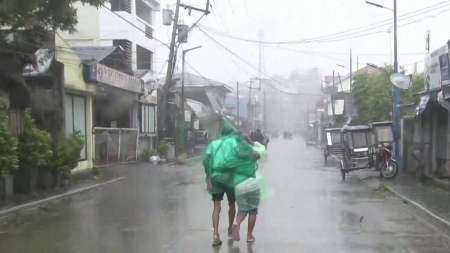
<point>388,165</point>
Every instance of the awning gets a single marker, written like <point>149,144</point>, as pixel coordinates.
<point>214,103</point>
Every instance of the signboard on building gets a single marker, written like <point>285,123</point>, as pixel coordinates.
<point>102,74</point>
<point>437,69</point>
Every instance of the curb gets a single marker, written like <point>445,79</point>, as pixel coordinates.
<point>33,204</point>
<point>437,217</point>
<point>189,159</point>
<point>409,200</point>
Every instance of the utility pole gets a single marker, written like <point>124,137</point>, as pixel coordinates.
<point>162,110</point>
<point>183,98</point>
<point>396,95</point>
<point>265,111</point>
<point>351,86</point>
<point>333,99</point>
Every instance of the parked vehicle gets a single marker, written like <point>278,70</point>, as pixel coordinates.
<point>361,149</point>
<point>201,137</point>
<point>333,144</point>
<point>287,135</point>
<point>381,149</point>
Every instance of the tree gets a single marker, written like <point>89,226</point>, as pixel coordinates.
<point>36,17</point>
<point>372,95</point>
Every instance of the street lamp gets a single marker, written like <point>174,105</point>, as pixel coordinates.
<point>378,5</point>
<point>182,93</point>
<point>396,89</point>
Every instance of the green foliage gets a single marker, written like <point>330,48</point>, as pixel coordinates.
<point>372,95</point>
<point>67,155</point>
<point>162,148</point>
<point>8,145</point>
<point>34,145</point>
<point>147,153</point>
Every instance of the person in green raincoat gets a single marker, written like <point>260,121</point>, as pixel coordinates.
<point>246,187</point>
<point>218,189</point>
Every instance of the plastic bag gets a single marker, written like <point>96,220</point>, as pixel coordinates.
<point>258,147</point>
<point>266,191</point>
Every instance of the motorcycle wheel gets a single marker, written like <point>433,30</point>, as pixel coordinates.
<point>391,171</point>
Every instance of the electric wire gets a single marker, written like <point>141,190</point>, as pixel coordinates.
<point>340,36</point>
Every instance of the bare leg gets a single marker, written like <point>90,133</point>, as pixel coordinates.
<point>215,222</point>
<point>216,216</point>
<point>235,228</point>
<point>251,226</point>
<point>231,216</point>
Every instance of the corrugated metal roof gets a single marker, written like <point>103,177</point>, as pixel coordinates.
<point>339,106</point>
<point>93,53</point>
<point>196,106</point>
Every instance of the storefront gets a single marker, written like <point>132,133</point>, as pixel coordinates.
<point>115,109</point>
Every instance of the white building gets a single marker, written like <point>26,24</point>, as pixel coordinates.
<point>126,23</point>
<point>120,99</point>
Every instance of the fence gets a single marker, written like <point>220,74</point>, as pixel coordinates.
<point>115,146</point>
<point>15,121</point>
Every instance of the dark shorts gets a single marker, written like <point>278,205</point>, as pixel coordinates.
<point>220,190</point>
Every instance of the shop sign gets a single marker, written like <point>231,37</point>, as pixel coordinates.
<point>102,74</point>
<point>437,69</point>
<point>187,116</point>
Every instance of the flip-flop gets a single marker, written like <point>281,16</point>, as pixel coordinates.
<point>251,240</point>
<point>235,233</point>
<point>216,241</point>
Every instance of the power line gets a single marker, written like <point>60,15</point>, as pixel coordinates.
<point>333,37</point>
<point>237,56</point>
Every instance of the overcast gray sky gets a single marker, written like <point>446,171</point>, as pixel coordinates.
<point>305,21</point>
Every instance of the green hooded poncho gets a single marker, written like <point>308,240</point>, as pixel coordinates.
<point>229,159</point>
<point>210,165</point>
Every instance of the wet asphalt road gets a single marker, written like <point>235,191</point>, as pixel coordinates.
<point>166,209</point>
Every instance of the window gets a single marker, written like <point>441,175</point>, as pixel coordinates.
<point>147,118</point>
<point>143,11</point>
<point>144,58</point>
<point>75,109</point>
<point>148,32</point>
<point>121,5</point>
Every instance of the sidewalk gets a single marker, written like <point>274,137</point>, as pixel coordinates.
<point>81,180</point>
<point>426,196</point>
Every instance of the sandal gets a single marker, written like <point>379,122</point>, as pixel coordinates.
<point>251,240</point>
<point>235,233</point>
<point>216,241</point>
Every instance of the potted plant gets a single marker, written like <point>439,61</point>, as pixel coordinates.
<point>8,153</point>
<point>162,148</point>
<point>67,156</point>
<point>145,156</point>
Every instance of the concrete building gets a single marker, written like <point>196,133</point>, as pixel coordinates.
<point>117,38</point>
<point>129,24</point>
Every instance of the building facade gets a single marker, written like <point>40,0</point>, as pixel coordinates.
<point>109,79</point>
